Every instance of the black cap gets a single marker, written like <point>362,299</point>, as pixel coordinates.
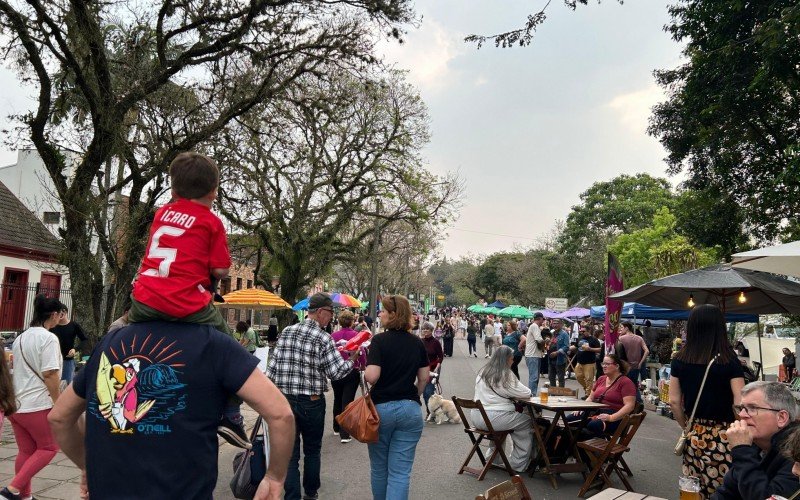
<point>319,300</point>
<point>538,315</point>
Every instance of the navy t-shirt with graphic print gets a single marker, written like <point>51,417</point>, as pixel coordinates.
<point>155,392</point>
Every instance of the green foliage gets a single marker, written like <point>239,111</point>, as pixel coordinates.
<point>730,121</point>
<point>658,251</point>
<point>711,218</point>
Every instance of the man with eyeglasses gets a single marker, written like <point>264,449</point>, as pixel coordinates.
<point>768,414</point>
<point>304,357</point>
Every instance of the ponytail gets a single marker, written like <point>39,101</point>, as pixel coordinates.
<point>43,307</point>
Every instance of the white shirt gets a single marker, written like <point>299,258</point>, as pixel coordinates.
<point>498,328</point>
<point>534,335</point>
<point>42,353</point>
<point>499,398</point>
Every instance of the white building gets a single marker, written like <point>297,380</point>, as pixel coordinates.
<point>28,262</point>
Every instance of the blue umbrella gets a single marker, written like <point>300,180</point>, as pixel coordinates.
<point>301,306</point>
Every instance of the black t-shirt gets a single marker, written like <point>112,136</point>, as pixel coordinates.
<point>167,384</point>
<point>587,357</point>
<point>66,336</point>
<point>717,399</point>
<point>399,354</point>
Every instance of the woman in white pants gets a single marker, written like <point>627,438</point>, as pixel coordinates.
<point>495,387</point>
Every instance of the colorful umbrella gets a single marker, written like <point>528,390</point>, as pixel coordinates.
<point>301,306</point>
<point>252,298</point>
<point>345,300</point>
<point>515,312</point>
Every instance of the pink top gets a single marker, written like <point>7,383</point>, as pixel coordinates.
<point>621,388</point>
<point>346,334</point>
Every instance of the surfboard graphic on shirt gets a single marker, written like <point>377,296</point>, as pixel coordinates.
<point>138,386</point>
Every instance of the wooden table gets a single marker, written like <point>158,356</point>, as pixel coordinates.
<point>615,494</point>
<point>560,406</point>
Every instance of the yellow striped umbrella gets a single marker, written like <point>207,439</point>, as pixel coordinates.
<point>252,298</point>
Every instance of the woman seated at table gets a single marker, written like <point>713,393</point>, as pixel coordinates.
<point>496,387</point>
<point>614,389</point>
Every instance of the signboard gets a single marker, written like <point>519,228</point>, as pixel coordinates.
<point>556,304</point>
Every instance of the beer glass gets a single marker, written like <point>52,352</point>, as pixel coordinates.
<point>689,487</point>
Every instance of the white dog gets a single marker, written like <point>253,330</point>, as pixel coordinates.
<point>442,410</point>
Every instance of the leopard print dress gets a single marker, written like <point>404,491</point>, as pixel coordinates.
<point>707,455</point>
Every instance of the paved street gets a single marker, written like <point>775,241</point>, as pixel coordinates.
<point>345,467</point>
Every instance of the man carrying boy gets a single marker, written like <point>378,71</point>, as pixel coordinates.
<point>187,247</point>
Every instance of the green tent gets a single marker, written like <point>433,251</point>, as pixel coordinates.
<point>515,312</point>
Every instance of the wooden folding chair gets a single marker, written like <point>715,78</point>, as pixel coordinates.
<point>496,437</point>
<point>605,454</point>
<point>513,489</point>
<point>638,408</point>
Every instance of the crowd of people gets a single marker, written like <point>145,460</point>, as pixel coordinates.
<point>141,419</point>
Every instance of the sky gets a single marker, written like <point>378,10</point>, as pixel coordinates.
<point>527,128</point>
<point>530,128</point>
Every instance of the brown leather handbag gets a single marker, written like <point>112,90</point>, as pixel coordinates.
<point>360,418</point>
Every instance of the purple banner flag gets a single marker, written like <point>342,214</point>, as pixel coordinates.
<point>613,307</point>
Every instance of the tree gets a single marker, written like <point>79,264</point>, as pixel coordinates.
<point>710,218</point>
<point>623,204</point>
<point>658,251</point>
<point>730,119</point>
<point>316,172</point>
<point>103,77</point>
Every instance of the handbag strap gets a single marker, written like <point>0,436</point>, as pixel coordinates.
<point>363,384</point>
<point>22,351</point>
<point>700,393</point>
<point>256,428</point>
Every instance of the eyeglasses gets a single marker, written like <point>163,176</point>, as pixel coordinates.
<point>330,310</point>
<point>607,364</point>
<point>751,411</point>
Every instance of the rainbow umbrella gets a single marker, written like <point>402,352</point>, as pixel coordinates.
<point>345,300</point>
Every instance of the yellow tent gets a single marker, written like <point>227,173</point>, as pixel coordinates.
<point>252,298</point>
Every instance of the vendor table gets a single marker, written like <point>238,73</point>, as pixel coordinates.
<point>615,494</point>
<point>560,406</point>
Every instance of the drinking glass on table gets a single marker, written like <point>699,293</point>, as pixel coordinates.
<point>689,487</point>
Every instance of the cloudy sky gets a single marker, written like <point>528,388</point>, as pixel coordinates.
<point>528,128</point>
<point>531,128</point>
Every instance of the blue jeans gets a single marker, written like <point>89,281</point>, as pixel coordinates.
<point>68,370</point>
<point>309,421</point>
<point>635,374</point>
<point>427,392</point>
<point>392,457</point>
<point>533,363</point>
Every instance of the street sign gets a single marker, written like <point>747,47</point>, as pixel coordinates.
<point>556,304</point>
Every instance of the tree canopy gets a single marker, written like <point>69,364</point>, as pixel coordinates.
<point>730,120</point>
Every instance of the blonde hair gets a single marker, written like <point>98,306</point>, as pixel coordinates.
<point>399,311</point>
<point>346,319</point>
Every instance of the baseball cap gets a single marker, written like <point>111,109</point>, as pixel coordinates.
<point>319,300</point>
<point>538,315</point>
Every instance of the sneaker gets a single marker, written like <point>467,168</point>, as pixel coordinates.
<point>346,440</point>
<point>336,433</point>
<point>6,493</point>
<point>233,433</point>
<point>486,356</point>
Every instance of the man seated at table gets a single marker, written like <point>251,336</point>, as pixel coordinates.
<point>768,414</point>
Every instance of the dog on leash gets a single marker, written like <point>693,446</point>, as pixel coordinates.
<point>442,410</point>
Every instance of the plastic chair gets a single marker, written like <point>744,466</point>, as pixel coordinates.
<point>513,489</point>
<point>477,436</point>
<point>606,454</point>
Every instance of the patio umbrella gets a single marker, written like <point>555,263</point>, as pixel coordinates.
<point>252,298</point>
<point>345,300</point>
<point>302,305</point>
<point>515,312</point>
<point>550,314</point>
<point>490,310</point>
<point>474,308</point>
<point>780,259</point>
<point>721,285</point>
<point>576,312</point>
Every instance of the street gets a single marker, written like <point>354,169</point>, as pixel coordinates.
<point>442,448</point>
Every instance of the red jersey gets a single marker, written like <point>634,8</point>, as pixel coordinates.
<point>186,241</point>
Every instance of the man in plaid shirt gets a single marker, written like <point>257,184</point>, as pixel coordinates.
<point>304,358</point>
